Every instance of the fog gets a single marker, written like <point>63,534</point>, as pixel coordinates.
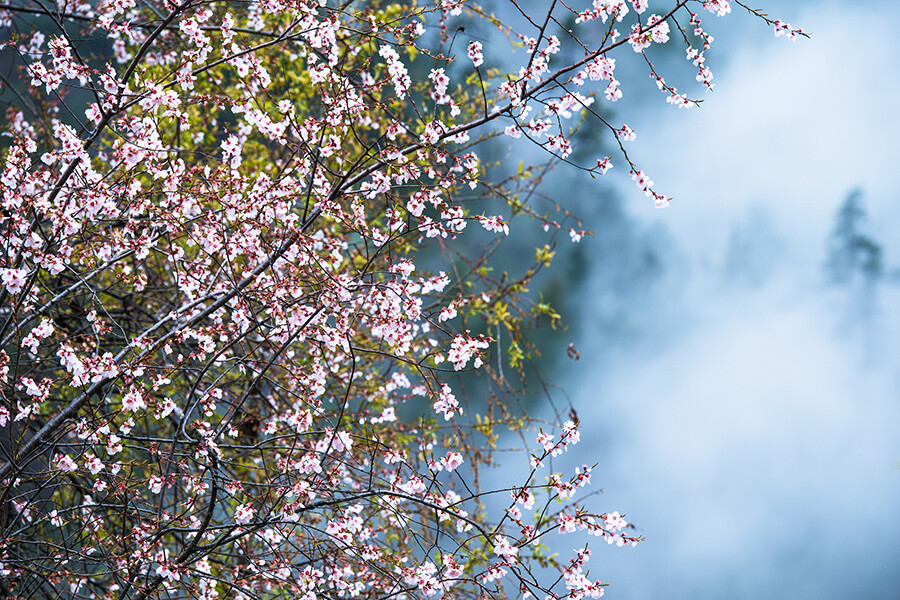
<point>747,419</point>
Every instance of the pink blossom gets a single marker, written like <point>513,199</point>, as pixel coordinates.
<point>165,408</point>
<point>93,464</point>
<point>494,223</point>
<point>513,132</point>
<point>133,401</point>
<point>614,522</point>
<point>441,81</point>
<point>660,33</point>
<point>642,181</point>
<point>559,143</point>
<point>433,132</point>
<point>604,165</point>
<point>515,513</point>
<point>639,41</point>
<point>570,433</point>
<point>44,330</point>
<point>718,7</point>
<point>112,444</point>
<point>22,507</point>
<point>582,476</point>
<point>396,70</point>
<point>496,571</point>
<point>446,403</point>
<point>243,514</point>
<point>167,572</point>
<point>389,415</point>
<point>567,524</point>
<point>337,442</point>
<point>308,463</point>
<point>392,457</point>
<point>784,29</point>
<point>464,348</point>
<point>452,569</point>
<point>681,101</point>
<point>447,313</point>
<point>613,93</point>
<point>13,279</point>
<point>503,548</point>
<point>525,497</point>
<point>452,460</point>
<point>31,388</point>
<point>546,441</point>
<point>475,53</point>
<point>601,68</point>
<point>626,133</point>
<point>65,463</point>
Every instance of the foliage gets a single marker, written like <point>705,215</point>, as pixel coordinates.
<point>235,301</point>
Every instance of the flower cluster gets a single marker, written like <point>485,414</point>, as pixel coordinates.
<point>250,345</point>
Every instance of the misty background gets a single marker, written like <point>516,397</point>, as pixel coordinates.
<point>739,371</point>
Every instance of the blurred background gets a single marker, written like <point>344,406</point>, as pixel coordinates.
<point>739,372</point>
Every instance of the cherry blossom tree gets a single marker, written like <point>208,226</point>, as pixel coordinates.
<point>245,258</point>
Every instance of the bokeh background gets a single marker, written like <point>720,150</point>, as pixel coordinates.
<point>740,351</point>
